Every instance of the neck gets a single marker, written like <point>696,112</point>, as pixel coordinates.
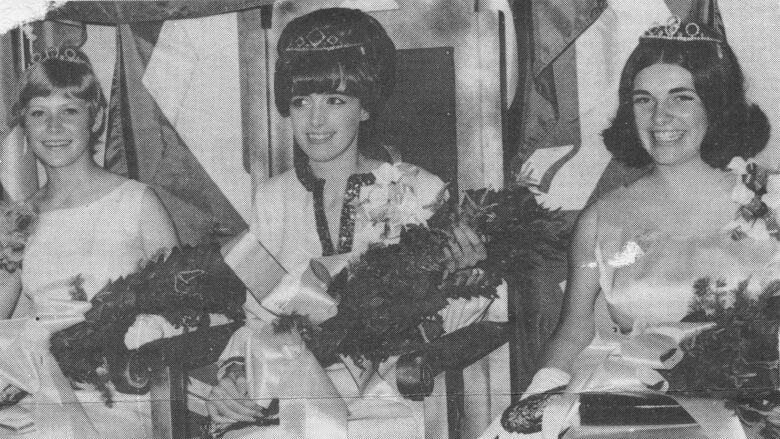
<point>340,168</point>
<point>68,179</point>
<point>679,178</point>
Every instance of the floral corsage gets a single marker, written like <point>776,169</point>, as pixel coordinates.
<point>395,200</point>
<point>16,224</point>
<point>758,197</point>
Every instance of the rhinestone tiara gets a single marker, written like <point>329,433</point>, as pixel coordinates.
<point>674,30</point>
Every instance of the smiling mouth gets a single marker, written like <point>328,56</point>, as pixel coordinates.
<point>667,136</point>
<point>316,138</point>
<point>56,143</point>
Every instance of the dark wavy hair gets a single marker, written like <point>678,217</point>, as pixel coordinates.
<point>734,127</point>
<point>61,69</point>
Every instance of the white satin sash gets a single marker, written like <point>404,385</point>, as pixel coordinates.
<point>616,363</point>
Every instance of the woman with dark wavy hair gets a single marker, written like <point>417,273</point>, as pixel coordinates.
<point>637,251</point>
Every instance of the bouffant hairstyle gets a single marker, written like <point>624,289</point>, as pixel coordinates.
<point>65,69</point>
<point>734,127</point>
<point>335,50</point>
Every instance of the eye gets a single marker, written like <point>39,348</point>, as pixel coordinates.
<point>298,102</point>
<point>640,100</point>
<point>35,113</point>
<point>72,111</point>
<point>684,97</point>
<point>336,100</point>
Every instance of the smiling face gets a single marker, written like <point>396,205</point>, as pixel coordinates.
<point>326,125</point>
<point>670,117</point>
<point>59,129</point>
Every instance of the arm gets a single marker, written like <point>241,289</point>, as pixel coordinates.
<point>576,328</point>
<point>156,227</point>
<point>10,289</point>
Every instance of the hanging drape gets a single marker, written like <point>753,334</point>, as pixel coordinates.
<point>118,12</point>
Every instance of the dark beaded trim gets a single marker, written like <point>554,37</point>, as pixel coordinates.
<point>316,185</point>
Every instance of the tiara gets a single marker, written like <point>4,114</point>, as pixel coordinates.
<point>318,39</point>
<point>69,54</point>
<point>674,30</point>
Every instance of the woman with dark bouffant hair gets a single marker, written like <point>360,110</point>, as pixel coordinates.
<point>638,251</point>
<point>335,70</point>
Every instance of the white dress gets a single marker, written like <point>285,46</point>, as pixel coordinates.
<point>99,241</point>
<point>285,224</point>
<point>647,270</point>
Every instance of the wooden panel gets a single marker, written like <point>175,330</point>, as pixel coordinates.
<point>419,118</point>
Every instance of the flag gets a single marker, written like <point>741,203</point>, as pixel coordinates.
<point>175,120</point>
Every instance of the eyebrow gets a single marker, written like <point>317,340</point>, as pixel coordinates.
<point>674,90</point>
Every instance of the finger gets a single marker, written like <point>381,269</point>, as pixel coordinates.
<point>473,277</point>
<point>449,260</point>
<point>224,415</point>
<point>457,254</point>
<point>235,409</point>
<point>476,243</point>
<point>227,396</point>
<point>470,252</point>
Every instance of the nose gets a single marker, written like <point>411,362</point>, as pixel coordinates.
<point>661,112</point>
<point>54,123</point>
<point>318,113</point>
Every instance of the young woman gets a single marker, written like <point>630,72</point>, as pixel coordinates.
<point>683,115</point>
<point>335,69</point>
<point>93,225</point>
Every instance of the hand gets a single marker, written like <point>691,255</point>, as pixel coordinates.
<point>11,395</point>
<point>465,249</point>
<point>229,400</point>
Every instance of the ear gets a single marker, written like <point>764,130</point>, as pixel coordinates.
<point>98,119</point>
<point>364,114</point>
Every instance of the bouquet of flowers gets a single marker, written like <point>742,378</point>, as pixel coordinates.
<point>390,298</point>
<point>758,197</point>
<point>16,225</point>
<point>184,287</point>
<point>737,359</point>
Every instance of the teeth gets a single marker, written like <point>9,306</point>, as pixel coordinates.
<point>667,136</point>
<point>319,137</point>
<point>56,144</point>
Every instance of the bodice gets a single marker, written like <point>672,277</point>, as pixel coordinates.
<point>99,242</point>
<point>647,272</point>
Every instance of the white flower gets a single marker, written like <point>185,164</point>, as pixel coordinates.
<point>367,235</point>
<point>757,230</point>
<point>738,165</point>
<point>772,196</point>
<point>628,255</point>
<point>742,195</point>
<point>390,204</point>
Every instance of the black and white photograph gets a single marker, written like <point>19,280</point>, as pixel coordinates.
<point>390,219</point>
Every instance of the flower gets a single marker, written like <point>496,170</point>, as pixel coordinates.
<point>772,196</point>
<point>742,195</point>
<point>392,203</point>
<point>757,195</point>
<point>738,165</point>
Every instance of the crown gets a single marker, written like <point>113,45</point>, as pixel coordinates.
<point>319,39</point>
<point>674,30</point>
<point>62,54</point>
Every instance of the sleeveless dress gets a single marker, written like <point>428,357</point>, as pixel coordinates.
<point>99,241</point>
<point>647,272</point>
